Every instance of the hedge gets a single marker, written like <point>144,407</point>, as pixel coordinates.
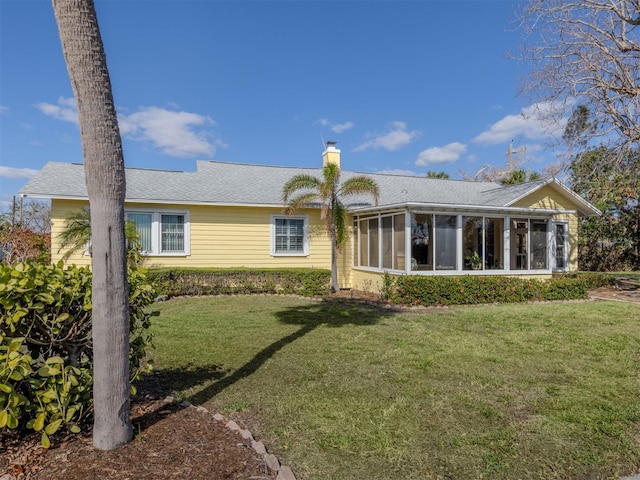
<point>217,281</point>
<point>468,289</point>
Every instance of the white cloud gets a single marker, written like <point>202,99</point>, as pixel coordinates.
<point>176,133</point>
<point>396,137</point>
<point>536,121</point>
<point>12,172</point>
<point>342,127</point>
<point>437,155</point>
<point>65,109</point>
<point>171,131</point>
<point>336,127</point>
<point>4,110</point>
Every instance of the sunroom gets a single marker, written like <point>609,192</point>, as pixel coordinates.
<point>438,240</point>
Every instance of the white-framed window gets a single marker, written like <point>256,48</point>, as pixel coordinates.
<point>290,235</point>
<point>162,232</point>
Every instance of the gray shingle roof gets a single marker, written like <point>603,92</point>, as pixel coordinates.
<point>244,184</point>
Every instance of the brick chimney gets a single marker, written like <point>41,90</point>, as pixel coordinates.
<point>331,155</point>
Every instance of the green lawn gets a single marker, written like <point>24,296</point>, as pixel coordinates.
<point>532,391</point>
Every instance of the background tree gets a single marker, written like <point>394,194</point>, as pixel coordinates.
<point>611,241</point>
<point>511,173</point>
<point>105,178</point>
<point>307,191</point>
<point>515,177</point>
<point>25,232</point>
<point>32,214</point>
<point>610,181</point>
<point>434,174</point>
<point>579,129</point>
<point>507,175</point>
<point>587,52</point>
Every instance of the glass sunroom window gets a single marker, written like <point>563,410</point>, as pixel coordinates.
<point>387,242</point>
<point>494,243</point>
<point>458,243</point>
<point>519,244</point>
<point>364,243</point>
<point>398,242</point>
<point>473,243</point>
<point>356,245</point>
<point>446,244</point>
<point>421,241</point>
<point>538,245</point>
<point>374,243</point>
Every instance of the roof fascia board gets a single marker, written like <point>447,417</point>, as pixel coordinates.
<point>460,208</point>
<point>159,202</point>
<point>51,197</point>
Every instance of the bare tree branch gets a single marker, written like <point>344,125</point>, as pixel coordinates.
<point>587,52</point>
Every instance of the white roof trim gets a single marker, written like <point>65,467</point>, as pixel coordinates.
<point>161,202</point>
<point>458,208</point>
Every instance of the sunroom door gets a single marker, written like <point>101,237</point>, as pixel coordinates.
<point>560,246</point>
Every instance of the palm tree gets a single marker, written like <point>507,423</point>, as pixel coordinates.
<point>516,177</point>
<point>105,178</point>
<point>308,191</point>
<point>434,174</point>
<point>77,236</point>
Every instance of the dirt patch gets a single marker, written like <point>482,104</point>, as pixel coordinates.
<point>617,294</point>
<point>169,442</point>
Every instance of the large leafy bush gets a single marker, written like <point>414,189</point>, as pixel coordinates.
<point>46,359</point>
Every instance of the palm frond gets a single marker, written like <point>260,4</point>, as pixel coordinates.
<point>300,182</point>
<point>76,234</point>
<point>303,200</point>
<point>359,185</point>
<point>331,177</point>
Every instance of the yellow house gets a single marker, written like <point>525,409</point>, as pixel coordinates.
<point>232,215</point>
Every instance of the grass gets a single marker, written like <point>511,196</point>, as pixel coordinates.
<point>534,391</point>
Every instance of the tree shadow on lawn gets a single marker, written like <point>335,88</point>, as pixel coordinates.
<point>334,313</point>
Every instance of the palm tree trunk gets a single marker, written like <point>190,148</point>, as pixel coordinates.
<point>334,256</point>
<point>104,171</point>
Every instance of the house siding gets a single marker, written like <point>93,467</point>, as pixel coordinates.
<point>227,237</point>
<point>220,236</point>
<point>60,210</point>
<point>547,197</point>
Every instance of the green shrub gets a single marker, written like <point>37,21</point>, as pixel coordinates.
<point>386,290</point>
<point>212,281</point>
<point>590,279</point>
<point>472,289</point>
<point>46,359</point>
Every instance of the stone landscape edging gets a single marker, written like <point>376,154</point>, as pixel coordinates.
<point>272,462</point>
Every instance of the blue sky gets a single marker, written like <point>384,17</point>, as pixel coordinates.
<point>402,86</point>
